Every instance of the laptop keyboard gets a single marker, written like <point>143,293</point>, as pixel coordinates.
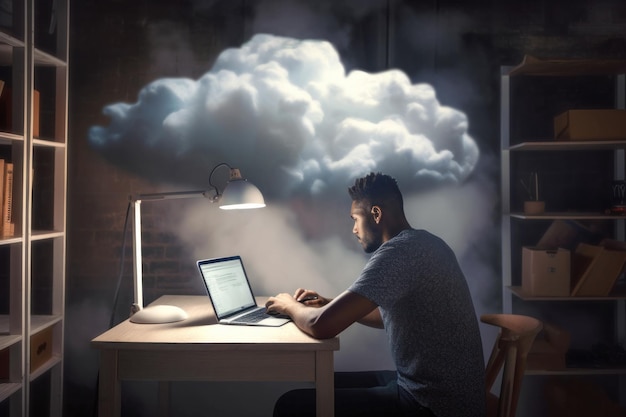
<point>254,317</point>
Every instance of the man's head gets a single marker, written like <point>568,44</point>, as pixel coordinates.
<point>377,210</point>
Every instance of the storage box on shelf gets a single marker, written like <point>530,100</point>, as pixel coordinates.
<point>549,349</point>
<point>591,125</point>
<point>591,271</point>
<point>546,271</point>
<point>583,160</point>
<point>41,345</point>
<point>596,270</point>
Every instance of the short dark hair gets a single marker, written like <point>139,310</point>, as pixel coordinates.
<point>376,190</point>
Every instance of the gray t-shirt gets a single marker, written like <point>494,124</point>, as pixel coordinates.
<point>430,320</point>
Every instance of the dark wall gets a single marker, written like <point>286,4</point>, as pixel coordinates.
<point>119,46</point>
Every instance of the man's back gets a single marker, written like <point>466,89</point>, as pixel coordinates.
<point>430,320</point>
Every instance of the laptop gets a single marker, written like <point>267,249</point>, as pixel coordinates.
<point>230,292</point>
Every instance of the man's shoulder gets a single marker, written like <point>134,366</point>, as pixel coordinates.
<point>410,237</point>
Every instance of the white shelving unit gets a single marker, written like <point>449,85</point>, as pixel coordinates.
<point>34,64</point>
<point>512,294</point>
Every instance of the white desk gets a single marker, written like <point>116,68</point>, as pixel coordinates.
<point>199,349</point>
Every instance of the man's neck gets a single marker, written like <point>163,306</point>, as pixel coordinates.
<point>395,229</point>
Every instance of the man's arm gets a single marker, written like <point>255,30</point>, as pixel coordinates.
<point>331,319</point>
<point>373,319</point>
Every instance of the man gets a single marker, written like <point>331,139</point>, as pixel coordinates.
<point>413,287</point>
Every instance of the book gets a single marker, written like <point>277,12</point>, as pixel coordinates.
<point>8,226</point>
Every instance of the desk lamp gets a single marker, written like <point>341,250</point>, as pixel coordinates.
<point>238,194</point>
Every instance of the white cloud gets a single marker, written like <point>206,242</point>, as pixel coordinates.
<point>282,107</point>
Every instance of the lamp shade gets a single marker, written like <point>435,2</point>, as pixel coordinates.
<point>240,194</point>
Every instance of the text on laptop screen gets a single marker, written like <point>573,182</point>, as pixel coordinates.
<point>228,286</point>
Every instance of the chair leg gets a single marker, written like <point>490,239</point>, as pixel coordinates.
<point>493,366</point>
<point>507,391</point>
<point>520,367</point>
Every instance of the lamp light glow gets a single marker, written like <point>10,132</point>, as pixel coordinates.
<point>238,194</point>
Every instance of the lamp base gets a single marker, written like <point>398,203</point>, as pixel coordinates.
<point>159,314</point>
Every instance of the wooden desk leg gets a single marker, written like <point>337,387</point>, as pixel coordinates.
<point>324,384</point>
<point>109,391</point>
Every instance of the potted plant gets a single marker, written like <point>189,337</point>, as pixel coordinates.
<point>533,205</point>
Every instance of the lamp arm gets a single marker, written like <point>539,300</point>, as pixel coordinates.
<point>171,195</point>
<point>135,201</point>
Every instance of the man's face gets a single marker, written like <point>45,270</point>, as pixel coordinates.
<point>365,228</point>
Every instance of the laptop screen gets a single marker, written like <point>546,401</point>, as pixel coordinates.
<point>227,285</point>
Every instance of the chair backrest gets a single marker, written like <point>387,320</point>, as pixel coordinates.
<point>516,336</point>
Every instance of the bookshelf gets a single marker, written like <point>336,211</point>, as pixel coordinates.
<point>33,138</point>
<point>527,146</point>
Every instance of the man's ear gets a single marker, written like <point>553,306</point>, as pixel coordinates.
<point>377,214</point>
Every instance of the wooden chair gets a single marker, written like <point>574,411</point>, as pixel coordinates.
<point>517,334</point>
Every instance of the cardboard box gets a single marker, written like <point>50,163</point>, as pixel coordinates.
<point>40,353</point>
<point>604,124</point>
<point>549,349</point>
<point>567,234</point>
<point>40,348</point>
<point>545,272</point>
<point>595,269</point>
<point>543,356</point>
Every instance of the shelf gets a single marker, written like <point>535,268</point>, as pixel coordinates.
<point>10,240</point>
<point>7,138</point>
<point>36,236</point>
<point>578,145</point>
<point>8,43</point>
<point>7,389</point>
<point>46,234</point>
<point>566,215</point>
<point>49,364</point>
<point>39,322</point>
<point>48,143</point>
<point>517,291</point>
<point>577,371</point>
<point>7,340</point>
<point>568,67</point>
<point>45,59</point>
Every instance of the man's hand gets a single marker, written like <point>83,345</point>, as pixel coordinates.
<point>281,303</point>
<point>310,298</point>
<point>330,317</point>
